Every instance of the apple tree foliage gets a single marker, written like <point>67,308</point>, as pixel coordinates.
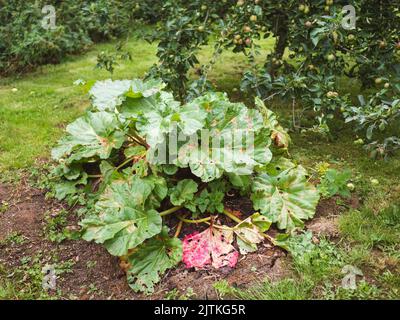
<point>315,62</point>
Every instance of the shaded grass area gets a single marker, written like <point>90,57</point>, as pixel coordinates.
<point>32,119</point>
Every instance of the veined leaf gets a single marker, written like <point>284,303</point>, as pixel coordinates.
<point>167,116</point>
<point>136,192</point>
<point>120,195</point>
<point>132,108</point>
<point>142,109</point>
<point>183,192</point>
<point>126,214</point>
<point>212,246</point>
<point>286,198</point>
<point>108,94</point>
<point>235,142</point>
<point>152,259</point>
<point>95,134</point>
<point>145,89</point>
<point>122,230</point>
<point>249,232</point>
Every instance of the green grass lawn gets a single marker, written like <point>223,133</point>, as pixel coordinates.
<point>32,119</point>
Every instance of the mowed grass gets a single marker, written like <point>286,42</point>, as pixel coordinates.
<point>33,118</point>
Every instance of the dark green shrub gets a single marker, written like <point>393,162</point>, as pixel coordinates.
<point>25,44</point>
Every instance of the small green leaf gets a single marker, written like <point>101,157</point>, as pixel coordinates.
<point>183,192</point>
<point>170,169</point>
<point>335,182</point>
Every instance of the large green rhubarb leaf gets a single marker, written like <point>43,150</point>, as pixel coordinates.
<point>95,134</point>
<point>126,215</point>
<point>151,260</point>
<point>235,140</point>
<point>119,196</point>
<point>287,198</point>
<point>107,95</point>
<point>122,230</point>
<point>145,89</point>
<point>165,116</point>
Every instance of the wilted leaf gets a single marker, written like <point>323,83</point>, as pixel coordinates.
<point>249,232</point>
<point>212,246</point>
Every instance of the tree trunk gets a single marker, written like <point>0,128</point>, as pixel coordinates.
<point>281,32</point>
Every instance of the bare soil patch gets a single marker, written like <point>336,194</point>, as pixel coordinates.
<point>24,211</point>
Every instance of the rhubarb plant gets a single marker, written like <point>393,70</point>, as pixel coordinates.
<point>142,165</point>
